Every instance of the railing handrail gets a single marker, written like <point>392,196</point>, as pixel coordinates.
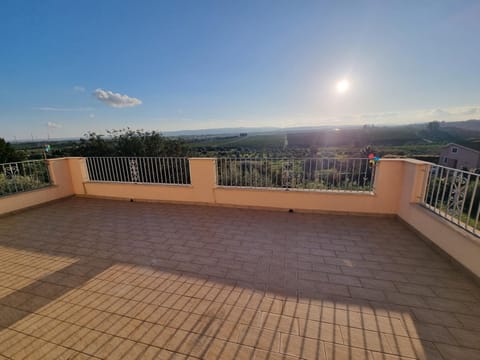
<point>138,157</point>
<point>292,158</point>
<point>432,165</point>
<point>23,162</point>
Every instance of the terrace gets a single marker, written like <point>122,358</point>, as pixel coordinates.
<point>207,262</point>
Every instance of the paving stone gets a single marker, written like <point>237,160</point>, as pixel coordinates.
<point>113,279</point>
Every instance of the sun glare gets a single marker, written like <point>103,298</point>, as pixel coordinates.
<point>343,86</point>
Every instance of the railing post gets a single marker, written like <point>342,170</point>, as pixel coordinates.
<point>388,184</point>
<point>203,174</point>
<point>51,172</point>
<point>78,173</point>
<point>420,174</point>
<point>60,175</point>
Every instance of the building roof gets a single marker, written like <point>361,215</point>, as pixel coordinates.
<point>461,146</point>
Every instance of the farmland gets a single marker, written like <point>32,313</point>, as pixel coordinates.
<point>422,141</point>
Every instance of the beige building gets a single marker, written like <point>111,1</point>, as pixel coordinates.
<point>459,157</point>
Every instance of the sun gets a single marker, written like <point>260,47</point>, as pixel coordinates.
<point>343,86</point>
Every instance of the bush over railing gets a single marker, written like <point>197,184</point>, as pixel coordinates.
<point>307,174</point>
<point>455,195</point>
<point>22,176</point>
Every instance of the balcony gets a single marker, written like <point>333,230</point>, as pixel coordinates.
<point>204,268</point>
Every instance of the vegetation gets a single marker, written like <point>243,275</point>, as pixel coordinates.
<point>9,154</point>
<point>9,185</point>
<point>463,206</point>
<point>421,141</point>
<point>23,176</point>
<point>127,142</point>
<point>326,174</point>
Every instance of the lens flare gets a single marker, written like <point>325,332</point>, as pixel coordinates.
<point>343,86</point>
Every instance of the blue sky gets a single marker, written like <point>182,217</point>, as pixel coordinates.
<point>67,67</point>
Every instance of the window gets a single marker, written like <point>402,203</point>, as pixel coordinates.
<point>454,150</point>
<point>445,160</point>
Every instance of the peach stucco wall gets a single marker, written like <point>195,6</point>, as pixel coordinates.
<point>204,190</point>
<point>459,244</point>
<point>398,190</point>
<point>61,187</point>
<point>201,190</point>
<point>384,199</point>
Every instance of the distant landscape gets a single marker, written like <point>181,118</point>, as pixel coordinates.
<point>422,141</point>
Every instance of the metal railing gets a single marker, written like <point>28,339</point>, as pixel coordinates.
<point>144,170</point>
<point>306,174</point>
<point>22,176</point>
<point>454,195</point>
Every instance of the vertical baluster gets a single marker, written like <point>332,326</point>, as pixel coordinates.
<point>111,169</point>
<point>475,225</point>
<point>161,171</point>
<point>365,175</point>
<point>438,186</point>
<point>98,165</point>
<point>93,168</point>
<point>118,169</point>
<point>450,193</point>
<point>266,173</point>
<point>230,171</point>
<point>156,167</point>
<point>472,199</point>
<point>431,187</point>
<point>442,199</point>
<point>463,200</point>
<point>101,169</point>
<point>219,169</point>
<point>182,165</point>
<point>177,180</point>
<point>352,180</point>
<point>372,176</point>
<point>251,172</point>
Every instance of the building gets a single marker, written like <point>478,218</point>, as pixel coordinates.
<point>459,157</point>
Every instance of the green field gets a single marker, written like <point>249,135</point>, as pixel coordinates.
<point>417,141</point>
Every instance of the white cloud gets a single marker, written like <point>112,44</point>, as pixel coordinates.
<point>91,116</point>
<point>438,113</point>
<point>115,99</point>
<point>53,125</point>
<point>58,108</point>
<point>472,111</point>
<point>380,115</point>
<point>454,112</point>
<point>79,88</point>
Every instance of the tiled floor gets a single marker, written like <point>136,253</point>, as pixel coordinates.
<point>88,278</point>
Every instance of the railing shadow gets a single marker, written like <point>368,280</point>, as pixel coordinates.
<point>228,283</point>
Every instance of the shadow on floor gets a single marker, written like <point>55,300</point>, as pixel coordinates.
<point>244,282</point>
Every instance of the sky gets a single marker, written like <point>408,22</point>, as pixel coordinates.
<point>68,67</point>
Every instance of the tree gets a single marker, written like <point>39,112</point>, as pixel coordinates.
<point>128,142</point>
<point>9,154</point>
<point>94,145</point>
